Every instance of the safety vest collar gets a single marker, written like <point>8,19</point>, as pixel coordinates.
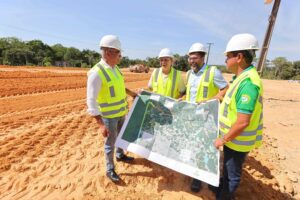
<point>245,70</point>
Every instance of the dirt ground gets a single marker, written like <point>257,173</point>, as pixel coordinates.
<point>51,149</point>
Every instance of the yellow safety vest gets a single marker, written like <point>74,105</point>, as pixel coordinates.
<point>251,137</point>
<point>170,89</point>
<point>206,88</point>
<point>112,96</point>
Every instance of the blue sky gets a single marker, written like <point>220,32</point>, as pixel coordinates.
<point>146,26</point>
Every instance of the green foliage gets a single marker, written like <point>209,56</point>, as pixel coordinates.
<point>283,68</point>
<point>181,62</point>
<point>297,77</point>
<point>269,73</point>
<point>16,52</point>
<point>39,51</point>
<point>13,51</point>
<point>47,61</point>
<point>296,67</point>
<point>287,71</point>
<point>85,65</point>
<point>90,58</point>
<point>59,52</point>
<point>125,62</point>
<point>152,62</point>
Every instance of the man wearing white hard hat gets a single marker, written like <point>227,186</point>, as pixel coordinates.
<point>106,100</point>
<point>203,83</point>
<point>241,112</point>
<point>166,80</point>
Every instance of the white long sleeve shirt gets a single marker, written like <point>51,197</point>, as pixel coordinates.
<point>94,85</point>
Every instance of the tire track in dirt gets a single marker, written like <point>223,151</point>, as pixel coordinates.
<point>19,143</point>
<point>23,83</point>
<point>68,156</point>
<point>15,122</point>
<point>69,103</point>
<point>36,93</point>
<point>51,149</point>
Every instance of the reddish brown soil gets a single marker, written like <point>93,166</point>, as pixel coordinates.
<point>51,148</point>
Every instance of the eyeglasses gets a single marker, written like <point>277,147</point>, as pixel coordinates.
<point>165,59</point>
<point>114,51</point>
<point>232,55</point>
<point>193,58</point>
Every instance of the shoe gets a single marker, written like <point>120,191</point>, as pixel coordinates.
<point>125,158</point>
<point>196,185</point>
<point>113,176</point>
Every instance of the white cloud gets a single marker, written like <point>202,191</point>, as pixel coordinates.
<point>208,22</point>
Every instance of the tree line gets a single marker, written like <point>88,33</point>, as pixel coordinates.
<point>16,52</point>
<point>282,69</point>
<point>36,53</point>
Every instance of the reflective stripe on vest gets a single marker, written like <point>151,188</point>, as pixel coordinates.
<point>111,88</point>
<point>206,79</point>
<point>105,105</point>
<point>173,84</point>
<point>113,112</point>
<point>251,136</point>
<point>206,85</point>
<point>244,133</point>
<point>110,104</point>
<point>225,113</point>
<point>188,74</point>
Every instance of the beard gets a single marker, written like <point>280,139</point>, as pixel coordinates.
<point>196,67</point>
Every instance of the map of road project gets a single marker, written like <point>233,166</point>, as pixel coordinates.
<point>177,135</point>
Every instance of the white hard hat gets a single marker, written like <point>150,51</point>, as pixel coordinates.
<point>110,41</point>
<point>197,47</point>
<point>165,52</point>
<point>239,42</point>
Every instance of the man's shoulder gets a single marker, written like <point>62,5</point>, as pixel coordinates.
<point>214,68</point>
<point>217,72</point>
<point>247,85</point>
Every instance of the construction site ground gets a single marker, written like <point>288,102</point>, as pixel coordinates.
<point>50,148</point>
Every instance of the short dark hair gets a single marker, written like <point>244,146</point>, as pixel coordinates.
<point>201,54</point>
<point>247,55</point>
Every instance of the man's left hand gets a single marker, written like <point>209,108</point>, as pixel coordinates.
<point>219,143</point>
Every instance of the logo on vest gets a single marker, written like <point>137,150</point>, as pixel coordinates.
<point>245,99</point>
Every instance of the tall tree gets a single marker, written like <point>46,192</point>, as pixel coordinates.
<point>90,58</point>
<point>59,52</point>
<point>73,57</point>
<point>40,51</point>
<point>283,68</point>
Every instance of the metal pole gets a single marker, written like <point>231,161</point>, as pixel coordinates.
<point>209,43</point>
<point>268,35</point>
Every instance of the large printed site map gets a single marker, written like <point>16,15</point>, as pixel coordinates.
<point>177,135</point>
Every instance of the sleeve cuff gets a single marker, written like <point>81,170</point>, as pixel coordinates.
<point>245,111</point>
<point>93,112</point>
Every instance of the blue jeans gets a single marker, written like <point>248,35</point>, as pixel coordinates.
<point>114,126</point>
<point>232,171</point>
